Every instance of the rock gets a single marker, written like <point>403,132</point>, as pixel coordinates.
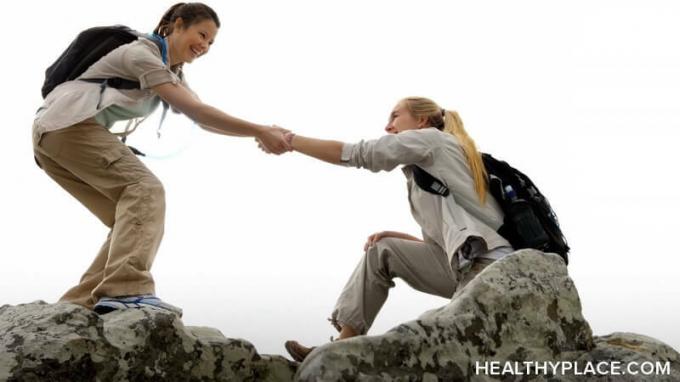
<point>521,313</point>
<point>65,342</point>
<point>523,308</point>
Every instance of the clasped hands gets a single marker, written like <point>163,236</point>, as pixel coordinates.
<point>275,140</point>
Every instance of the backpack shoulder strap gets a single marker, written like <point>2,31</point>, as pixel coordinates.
<point>429,183</point>
<point>160,43</point>
<point>163,47</point>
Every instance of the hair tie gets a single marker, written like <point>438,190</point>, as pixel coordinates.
<point>443,112</point>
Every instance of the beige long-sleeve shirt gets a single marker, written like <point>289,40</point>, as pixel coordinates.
<point>75,101</point>
<point>451,221</point>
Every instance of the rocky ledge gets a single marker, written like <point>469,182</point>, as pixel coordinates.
<point>519,320</point>
<point>514,318</point>
<point>65,342</point>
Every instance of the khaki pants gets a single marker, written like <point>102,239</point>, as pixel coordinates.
<point>106,177</point>
<point>423,266</point>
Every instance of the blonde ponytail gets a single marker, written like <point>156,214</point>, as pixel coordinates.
<point>454,125</point>
<point>450,122</point>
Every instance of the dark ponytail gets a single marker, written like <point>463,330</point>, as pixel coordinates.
<point>190,13</point>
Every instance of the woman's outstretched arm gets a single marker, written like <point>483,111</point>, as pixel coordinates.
<point>325,150</point>
<point>382,154</point>
<point>217,121</point>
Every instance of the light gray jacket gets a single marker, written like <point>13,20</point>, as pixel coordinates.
<point>450,221</point>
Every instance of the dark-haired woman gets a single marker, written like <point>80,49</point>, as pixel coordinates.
<point>74,146</point>
<point>459,231</point>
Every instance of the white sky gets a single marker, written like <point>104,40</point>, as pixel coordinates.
<point>581,95</point>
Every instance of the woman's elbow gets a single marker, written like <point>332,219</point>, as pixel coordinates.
<point>205,127</point>
<point>180,100</point>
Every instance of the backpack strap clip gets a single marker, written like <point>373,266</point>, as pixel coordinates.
<point>428,182</point>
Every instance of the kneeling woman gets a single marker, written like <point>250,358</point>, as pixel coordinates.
<point>459,231</point>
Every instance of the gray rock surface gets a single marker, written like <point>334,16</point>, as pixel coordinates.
<point>65,342</point>
<point>523,308</point>
<point>518,313</point>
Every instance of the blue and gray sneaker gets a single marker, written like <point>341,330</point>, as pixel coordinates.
<point>109,304</point>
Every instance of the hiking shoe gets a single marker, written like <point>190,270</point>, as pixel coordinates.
<point>297,351</point>
<point>109,304</point>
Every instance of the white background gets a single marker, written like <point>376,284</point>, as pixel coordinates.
<point>582,96</point>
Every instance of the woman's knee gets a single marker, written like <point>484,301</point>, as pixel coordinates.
<point>379,254</point>
<point>154,186</point>
<point>148,194</point>
<point>154,191</point>
<point>385,247</point>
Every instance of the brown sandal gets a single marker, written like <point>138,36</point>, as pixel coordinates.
<point>297,351</point>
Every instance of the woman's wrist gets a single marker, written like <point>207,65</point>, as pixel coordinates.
<point>288,137</point>
<point>260,130</point>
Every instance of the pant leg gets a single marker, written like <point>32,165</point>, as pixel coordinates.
<point>102,165</point>
<point>423,266</point>
<point>81,294</point>
<point>96,202</point>
<point>100,206</point>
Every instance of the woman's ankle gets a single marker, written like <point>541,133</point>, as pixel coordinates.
<point>347,332</point>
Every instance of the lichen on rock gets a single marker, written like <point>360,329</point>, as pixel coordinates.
<point>66,342</point>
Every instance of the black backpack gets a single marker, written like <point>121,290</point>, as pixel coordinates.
<point>87,48</point>
<point>529,221</point>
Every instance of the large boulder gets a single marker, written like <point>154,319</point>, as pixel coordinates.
<point>64,342</point>
<point>515,317</point>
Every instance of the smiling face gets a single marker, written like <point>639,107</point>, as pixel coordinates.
<point>188,43</point>
<point>401,120</point>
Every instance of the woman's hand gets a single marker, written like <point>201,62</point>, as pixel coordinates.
<point>272,140</point>
<point>373,239</point>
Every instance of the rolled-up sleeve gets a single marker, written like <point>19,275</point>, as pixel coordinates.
<point>147,67</point>
<point>387,152</point>
<point>156,77</point>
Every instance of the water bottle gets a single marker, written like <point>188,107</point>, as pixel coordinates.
<point>529,230</point>
<point>510,193</point>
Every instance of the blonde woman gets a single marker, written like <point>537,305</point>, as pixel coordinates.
<point>459,236</point>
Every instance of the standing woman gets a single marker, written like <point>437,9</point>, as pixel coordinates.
<point>73,145</point>
<point>459,231</point>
